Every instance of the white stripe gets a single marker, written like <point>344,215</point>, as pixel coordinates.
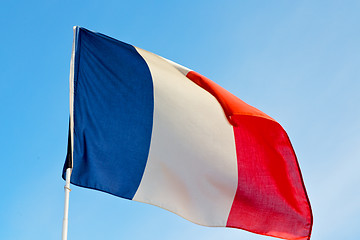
<point>192,167</point>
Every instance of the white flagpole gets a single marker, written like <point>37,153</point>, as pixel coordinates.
<point>71,142</point>
<point>66,206</point>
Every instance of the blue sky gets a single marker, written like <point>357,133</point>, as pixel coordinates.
<point>298,61</point>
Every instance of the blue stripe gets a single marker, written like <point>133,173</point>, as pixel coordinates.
<point>113,114</point>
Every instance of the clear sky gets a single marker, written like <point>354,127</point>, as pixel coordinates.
<point>298,61</point>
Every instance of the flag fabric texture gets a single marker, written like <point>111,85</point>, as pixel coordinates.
<point>147,129</point>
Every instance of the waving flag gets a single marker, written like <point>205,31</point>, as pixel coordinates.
<point>147,129</point>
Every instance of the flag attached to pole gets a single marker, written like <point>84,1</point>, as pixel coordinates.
<point>147,129</point>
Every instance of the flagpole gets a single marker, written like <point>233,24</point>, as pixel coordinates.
<point>66,205</point>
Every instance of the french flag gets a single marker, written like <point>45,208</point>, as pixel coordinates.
<point>147,129</point>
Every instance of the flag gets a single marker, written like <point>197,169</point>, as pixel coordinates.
<point>147,129</point>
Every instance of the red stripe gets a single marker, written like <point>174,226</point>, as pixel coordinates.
<point>271,197</point>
